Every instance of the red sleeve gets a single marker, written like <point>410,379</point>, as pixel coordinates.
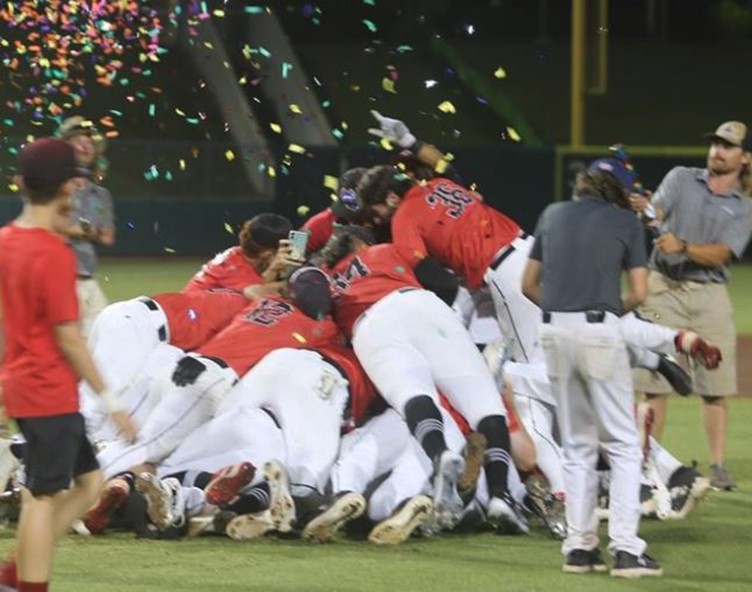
<point>407,232</point>
<point>319,229</point>
<point>59,286</point>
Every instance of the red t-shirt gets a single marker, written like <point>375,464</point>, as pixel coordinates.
<point>265,325</point>
<point>363,393</point>
<point>362,279</point>
<point>38,284</point>
<point>320,228</point>
<point>195,317</point>
<point>454,226</point>
<point>229,270</point>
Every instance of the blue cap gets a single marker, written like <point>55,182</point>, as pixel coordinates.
<point>618,169</point>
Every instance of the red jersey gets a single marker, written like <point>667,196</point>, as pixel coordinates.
<point>320,228</point>
<point>265,325</point>
<point>195,317</point>
<point>362,279</point>
<point>513,422</point>
<point>363,393</point>
<point>229,270</point>
<point>451,224</point>
<point>38,285</point>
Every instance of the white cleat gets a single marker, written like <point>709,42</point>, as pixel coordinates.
<point>281,505</point>
<point>447,503</point>
<point>250,526</point>
<point>505,517</point>
<point>323,528</point>
<point>158,499</point>
<point>401,524</point>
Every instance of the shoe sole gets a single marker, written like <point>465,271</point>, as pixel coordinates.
<point>198,525</point>
<point>507,522</point>
<point>323,528</point>
<point>281,504</point>
<point>636,572</point>
<point>475,449</point>
<point>223,489</point>
<point>447,503</point>
<point>398,528</point>
<point>112,498</point>
<point>157,507</point>
<point>583,569</point>
<point>249,526</point>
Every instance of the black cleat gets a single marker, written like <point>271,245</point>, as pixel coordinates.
<point>627,565</point>
<point>582,561</point>
<point>677,376</point>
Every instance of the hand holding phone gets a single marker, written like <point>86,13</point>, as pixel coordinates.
<point>299,241</point>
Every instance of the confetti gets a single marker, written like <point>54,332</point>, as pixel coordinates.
<point>386,144</point>
<point>513,135</point>
<point>430,83</point>
<point>303,210</point>
<point>331,182</point>
<point>286,67</point>
<point>229,155</point>
<point>228,228</point>
<point>500,72</point>
<point>276,128</point>
<point>295,109</point>
<point>370,25</point>
<point>447,107</point>
<point>299,338</point>
<point>388,85</point>
<point>296,148</point>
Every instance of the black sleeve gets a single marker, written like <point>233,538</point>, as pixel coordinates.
<point>436,278</point>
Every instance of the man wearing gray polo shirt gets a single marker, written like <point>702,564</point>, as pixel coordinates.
<point>581,249</point>
<point>705,220</point>
<point>93,218</point>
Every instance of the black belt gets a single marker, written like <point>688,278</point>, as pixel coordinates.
<point>154,307</point>
<point>402,290</point>
<point>150,304</point>
<point>591,316</point>
<point>506,251</point>
<point>218,361</point>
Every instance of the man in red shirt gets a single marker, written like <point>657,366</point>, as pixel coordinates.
<point>43,356</point>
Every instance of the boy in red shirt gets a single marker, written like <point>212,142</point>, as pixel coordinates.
<point>43,357</point>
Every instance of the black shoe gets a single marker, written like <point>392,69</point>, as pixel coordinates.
<point>677,376</point>
<point>627,565</point>
<point>583,561</point>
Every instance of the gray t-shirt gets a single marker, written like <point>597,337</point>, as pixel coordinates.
<point>584,246</point>
<point>93,203</point>
<point>697,215</point>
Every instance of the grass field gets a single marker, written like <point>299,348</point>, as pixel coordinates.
<point>709,551</point>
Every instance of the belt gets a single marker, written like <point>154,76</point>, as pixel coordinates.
<point>150,304</point>
<point>154,307</point>
<point>403,290</point>
<point>591,316</point>
<point>84,277</point>
<point>218,361</point>
<point>505,251</point>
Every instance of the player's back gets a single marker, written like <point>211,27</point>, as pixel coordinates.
<point>444,220</point>
<point>229,269</point>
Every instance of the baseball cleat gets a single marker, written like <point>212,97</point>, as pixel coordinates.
<point>227,482</point>
<point>580,561</point>
<point>542,502</point>
<point>215,523</point>
<point>676,376</point>
<point>720,479</point>
<point>626,565</point>
<point>281,504</point>
<point>324,526</point>
<point>687,487</point>
<point>447,503</point>
<point>403,521</point>
<point>158,499</point>
<point>505,516</point>
<point>473,454</point>
<point>113,496</point>
<point>250,526</point>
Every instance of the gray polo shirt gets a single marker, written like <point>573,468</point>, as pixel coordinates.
<point>583,247</point>
<point>697,215</point>
<point>94,203</point>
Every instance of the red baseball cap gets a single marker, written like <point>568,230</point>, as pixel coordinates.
<point>47,163</point>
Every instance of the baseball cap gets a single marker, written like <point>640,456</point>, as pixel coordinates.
<point>309,291</point>
<point>617,169</point>
<point>77,126</point>
<point>733,132</point>
<point>268,229</point>
<point>347,205</point>
<point>47,163</point>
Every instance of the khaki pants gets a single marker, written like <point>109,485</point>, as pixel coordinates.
<point>705,309</point>
<point>91,301</point>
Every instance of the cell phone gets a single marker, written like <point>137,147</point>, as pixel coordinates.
<point>299,240</point>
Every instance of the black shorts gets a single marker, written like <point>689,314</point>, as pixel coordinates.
<point>56,451</point>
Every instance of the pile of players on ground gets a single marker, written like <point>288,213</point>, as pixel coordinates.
<point>272,396</point>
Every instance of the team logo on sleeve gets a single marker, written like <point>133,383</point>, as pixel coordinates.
<point>455,199</point>
<point>342,279</point>
<point>269,312</point>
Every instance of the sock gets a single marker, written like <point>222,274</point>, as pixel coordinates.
<point>9,572</point>
<point>256,499</point>
<point>496,458</point>
<point>33,586</point>
<point>192,478</point>
<point>129,477</point>
<point>17,449</point>
<point>426,425</point>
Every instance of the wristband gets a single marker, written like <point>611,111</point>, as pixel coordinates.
<point>110,402</point>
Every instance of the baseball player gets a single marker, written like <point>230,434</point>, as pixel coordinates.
<point>581,248</point>
<point>201,379</point>
<point>410,343</point>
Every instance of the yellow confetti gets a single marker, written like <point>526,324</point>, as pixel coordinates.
<point>243,80</point>
<point>344,125</point>
<point>271,171</point>
<point>182,164</point>
<point>230,155</point>
<point>219,13</point>
<point>385,144</point>
<point>169,250</point>
<point>441,166</point>
<point>331,182</point>
<point>513,134</point>
<point>299,337</point>
<point>180,112</point>
<point>13,187</point>
<point>303,210</point>
<point>228,228</point>
<point>388,85</point>
<point>276,128</point>
<point>500,72</point>
<point>296,148</point>
<point>295,109</point>
<point>447,107</point>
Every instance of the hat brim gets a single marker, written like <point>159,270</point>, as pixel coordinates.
<point>714,136</point>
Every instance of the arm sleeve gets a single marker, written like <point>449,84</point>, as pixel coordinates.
<point>668,191</point>
<point>635,255</point>
<point>319,228</point>
<point>58,286</point>
<point>406,233</point>
<point>536,252</point>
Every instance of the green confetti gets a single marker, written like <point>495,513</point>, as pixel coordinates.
<point>286,67</point>
<point>370,2</point>
<point>254,10</point>
<point>337,134</point>
<point>404,48</point>
<point>370,25</point>
<point>152,110</point>
<point>326,104</point>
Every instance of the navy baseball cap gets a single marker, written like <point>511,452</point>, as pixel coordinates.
<point>47,163</point>
<point>309,291</point>
<point>617,169</point>
<point>347,206</point>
